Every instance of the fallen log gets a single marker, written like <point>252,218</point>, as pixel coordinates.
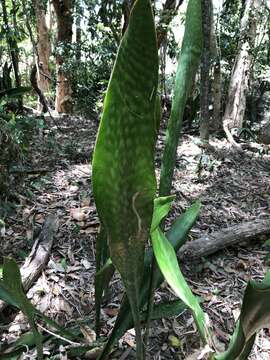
<point>218,240</point>
<point>39,256</point>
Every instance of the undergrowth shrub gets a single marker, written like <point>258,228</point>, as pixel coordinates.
<point>16,133</point>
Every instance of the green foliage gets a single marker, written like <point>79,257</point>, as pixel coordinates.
<point>229,35</point>
<point>11,291</point>
<point>16,131</point>
<point>90,60</point>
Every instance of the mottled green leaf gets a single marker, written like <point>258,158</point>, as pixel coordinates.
<point>124,181</point>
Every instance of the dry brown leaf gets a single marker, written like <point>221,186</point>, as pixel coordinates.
<point>111,311</point>
<point>39,218</point>
<point>80,214</point>
<point>89,334</point>
<point>87,265</point>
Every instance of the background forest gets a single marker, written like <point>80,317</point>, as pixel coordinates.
<point>56,60</point>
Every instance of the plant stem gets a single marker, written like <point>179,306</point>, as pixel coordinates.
<point>150,305</point>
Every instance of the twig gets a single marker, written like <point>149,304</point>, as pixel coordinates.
<point>58,336</point>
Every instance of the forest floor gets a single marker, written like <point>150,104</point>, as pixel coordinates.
<point>233,189</point>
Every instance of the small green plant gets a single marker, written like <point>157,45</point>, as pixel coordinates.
<point>124,189</point>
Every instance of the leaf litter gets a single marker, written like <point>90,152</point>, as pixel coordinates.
<point>233,189</point>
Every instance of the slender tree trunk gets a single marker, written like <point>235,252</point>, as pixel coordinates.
<point>78,31</point>
<point>12,44</point>
<point>217,79</point>
<point>239,83</point>
<point>205,72</point>
<point>126,7</point>
<point>264,134</point>
<point>15,45</point>
<point>169,11</point>
<point>43,47</point>
<point>63,10</point>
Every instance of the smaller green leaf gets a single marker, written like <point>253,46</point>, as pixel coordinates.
<point>6,296</point>
<point>12,300</point>
<point>168,264</point>
<point>162,206</point>
<point>254,316</point>
<point>266,243</point>
<point>13,283</point>
<point>174,341</point>
<point>64,264</point>
<point>15,349</point>
<point>165,310</point>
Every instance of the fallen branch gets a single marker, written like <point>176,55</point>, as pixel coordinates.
<point>39,256</point>
<point>218,240</point>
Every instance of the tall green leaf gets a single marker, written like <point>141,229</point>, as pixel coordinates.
<point>124,182</point>
<point>177,236</point>
<point>254,316</point>
<point>188,63</point>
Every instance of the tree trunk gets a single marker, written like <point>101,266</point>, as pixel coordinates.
<point>205,72</point>
<point>12,44</point>
<point>169,10</point>
<point>43,47</point>
<point>78,31</point>
<point>236,101</point>
<point>63,10</point>
<point>217,79</point>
